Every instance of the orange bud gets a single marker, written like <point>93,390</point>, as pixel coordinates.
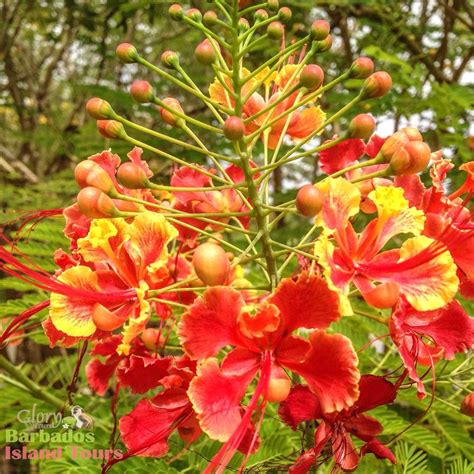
<point>95,204</point>
<point>152,339</point>
<point>273,5</point>
<point>362,68</point>
<point>376,85</point>
<point>142,91</point>
<point>243,25</point>
<point>467,405</point>
<point>284,14</point>
<point>176,12</point>
<point>99,108</point>
<point>89,173</point>
<point>412,133</point>
<point>170,59</point>
<point>261,15</point>
<point>320,30</point>
<point>167,116</point>
<point>323,45</point>
<point>382,296</point>
<point>234,128</point>
<point>111,129</point>
<point>205,53</point>
<point>194,14</point>
<point>279,386</point>
<point>311,77</point>
<point>127,53</point>
<point>275,30</point>
<point>132,176</point>
<point>362,126</point>
<point>309,200</point>
<point>211,264</point>
<point>411,159</point>
<point>210,18</point>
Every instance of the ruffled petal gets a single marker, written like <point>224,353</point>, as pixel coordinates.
<point>381,451</point>
<point>341,156</point>
<point>374,392</point>
<point>301,405</point>
<point>99,373</point>
<point>306,123</point>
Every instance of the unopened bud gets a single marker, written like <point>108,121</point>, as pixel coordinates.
<point>210,18</point>
<point>243,25</point>
<point>99,109</point>
<point>234,128</point>
<point>142,91</point>
<point>205,53</point>
<point>273,5</point>
<point>320,30</point>
<point>467,405</point>
<point>95,204</point>
<point>111,129</point>
<point>176,12</point>
<point>412,133</point>
<point>362,126</point>
<point>275,30</point>
<point>284,14</point>
<point>89,173</point>
<point>132,176</point>
<point>309,200</point>
<point>376,85</point>
<point>261,15</point>
<point>167,115</point>
<point>311,77</point>
<point>411,159</point>
<point>323,45</point>
<point>362,68</point>
<point>194,14</point>
<point>170,59</point>
<point>127,53</point>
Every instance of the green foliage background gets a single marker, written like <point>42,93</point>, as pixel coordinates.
<point>57,53</point>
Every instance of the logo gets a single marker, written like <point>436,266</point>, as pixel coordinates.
<point>83,421</point>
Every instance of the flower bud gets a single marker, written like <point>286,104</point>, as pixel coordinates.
<point>324,45</point>
<point>320,30</point>
<point>299,30</point>
<point>275,30</point>
<point>152,339</point>
<point>176,12</point>
<point>127,53</point>
<point>95,204</point>
<point>194,14</point>
<point>260,15</point>
<point>311,77</point>
<point>243,25</point>
<point>376,85</point>
<point>234,128</point>
<point>362,126</point>
<point>167,116</point>
<point>89,173</point>
<point>170,59</point>
<point>205,53</point>
<point>412,133</point>
<point>467,405</point>
<point>273,5</point>
<point>382,296</point>
<point>284,14</point>
<point>362,68</point>
<point>142,91</point>
<point>210,18</point>
<point>411,159</point>
<point>309,200</point>
<point>99,108</point>
<point>132,176</point>
<point>211,264</point>
<point>111,129</point>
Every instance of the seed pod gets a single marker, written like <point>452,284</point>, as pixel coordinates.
<point>376,85</point>
<point>205,53</point>
<point>132,176</point>
<point>320,30</point>
<point>383,296</point>
<point>309,200</point>
<point>89,173</point>
<point>99,109</point>
<point>111,129</point>
<point>211,264</point>
<point>127,53</point>
<point>311,77</point>
<point>362,68</point>
<point>362,126</point>
<point>142,91</point>
<point>95,204</point>
<point>234,128</point>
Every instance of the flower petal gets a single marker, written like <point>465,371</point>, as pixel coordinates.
<point>301,405</point>
<point>307,122</point>
<point>99,373</point>
<point>340,156</point>
<point>374,392</point>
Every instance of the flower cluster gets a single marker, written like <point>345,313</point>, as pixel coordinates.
<point>213,328</point>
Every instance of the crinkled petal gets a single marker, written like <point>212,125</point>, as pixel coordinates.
<point>341,156</point>
<point>301,405</point>
<point>307,122</point>
<point>99,373</point>
<point>374,392</point>
<point>381,451</point>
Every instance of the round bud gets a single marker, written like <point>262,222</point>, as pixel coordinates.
<point>234,128</point>
<point>311,77</point>
<point>467,405</point>
<point>89,173</point>
<point>279,386</point>
<point>309,200</point>
<point>170,59</point>
<point>323,45</point>
<point>260,15</point>
<point>176,12</point>
<point>194,14</point>
<point>320,30</point>
<point>127,53</point>
<point>142,91</point>
<point>111,129</point>
<point>412,133</point>
<point>132,176</point>
<point>273,5</point>
<point>95,204</point>
<point>275,30</point>
<point>411,159</point>
<point>211,264</point>
<point>99,108</point>
<point>382,296</point>
<point>362,126</point>
<point>376,85</point>
<point>284,14</point>
<point>243,25</point>
<point>205,53</point>
<point>152,339</point>
<point>104,319</point>
<point>210,18</point>
<point>362,68</point>
<point>167,115</point>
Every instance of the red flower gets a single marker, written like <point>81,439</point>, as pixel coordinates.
<point>336,428</point>
<point>424,337</point>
